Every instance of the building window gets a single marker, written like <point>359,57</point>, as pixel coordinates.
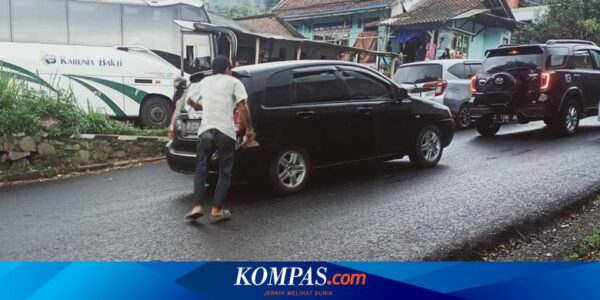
<point>460,43</point>
<point>335,33</point>
<point>45,24</point>
<point>96,24</point>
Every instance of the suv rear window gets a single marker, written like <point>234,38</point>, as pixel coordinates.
<point>419,74</point>
<point>509,59</point>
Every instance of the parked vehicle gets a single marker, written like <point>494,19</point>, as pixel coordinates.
<point>119,57</point>
<point>315,114</point>
<point>557,82</point>
<point>444,81</point>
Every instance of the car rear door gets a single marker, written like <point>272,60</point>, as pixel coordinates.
<point>585,75</point>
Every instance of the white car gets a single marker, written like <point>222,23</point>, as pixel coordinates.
<point>444,81</point>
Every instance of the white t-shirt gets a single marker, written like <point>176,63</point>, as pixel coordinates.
<point>218,94</point>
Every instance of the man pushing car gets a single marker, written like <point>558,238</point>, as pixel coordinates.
<point>218,96</point>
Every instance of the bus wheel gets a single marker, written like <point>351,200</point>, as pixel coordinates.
<point>156,113</point>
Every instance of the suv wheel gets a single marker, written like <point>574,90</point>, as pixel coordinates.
<point>428,148</point>
<point>463,118</point>
<point>487,127</point>
<point>289,170</point>
<point>567,122</point>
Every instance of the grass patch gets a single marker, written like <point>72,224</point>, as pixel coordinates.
<point>22,109</point>
<point>589,250</point>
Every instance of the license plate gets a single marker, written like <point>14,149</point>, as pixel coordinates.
<point>192,126</point>
<point>503,118</point>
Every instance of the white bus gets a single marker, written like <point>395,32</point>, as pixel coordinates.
<point>119,57</point>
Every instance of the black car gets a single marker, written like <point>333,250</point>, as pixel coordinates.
<point>557,82</point>
<point>315,114</point>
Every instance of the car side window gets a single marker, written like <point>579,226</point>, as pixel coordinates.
<point>473,69</point>
<point>557,58</point>
<point>362,86</point>
<point>318,87</point>
<point>583,60</point>
<point>459,71</point>
<point>596,56</point>
<point>278,92</point>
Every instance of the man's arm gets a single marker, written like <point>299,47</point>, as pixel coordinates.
<point>196,105</point>
<point>244,111</point>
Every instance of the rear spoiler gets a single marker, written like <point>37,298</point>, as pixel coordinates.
<point>529,49</point>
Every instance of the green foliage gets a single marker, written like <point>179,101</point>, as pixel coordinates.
<point>569,19</point>
<point>22,108</point>
<point>245,9</point>
<point>589,250</point>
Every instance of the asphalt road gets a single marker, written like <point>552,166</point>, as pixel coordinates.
<point>370,212</point>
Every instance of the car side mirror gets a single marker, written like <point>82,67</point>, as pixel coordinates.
<point>401,94</point>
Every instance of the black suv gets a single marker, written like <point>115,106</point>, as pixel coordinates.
<point>314,114</point>
<point>557,82</point>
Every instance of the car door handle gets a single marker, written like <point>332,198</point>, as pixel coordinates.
<point>365,110</point>
<point>307,114</point>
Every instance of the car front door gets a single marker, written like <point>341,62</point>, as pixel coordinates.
<point>320,102</point>
<point>595,101</point>
<point>585,75</point>
<point>370,98</point>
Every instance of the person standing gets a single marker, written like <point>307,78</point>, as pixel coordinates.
<point>218,96</point>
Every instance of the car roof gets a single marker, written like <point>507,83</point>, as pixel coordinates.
<point>285,65</point>
<point>444,62</point>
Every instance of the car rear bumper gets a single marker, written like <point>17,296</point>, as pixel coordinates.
<point>529,112</point>
<point>247,161</point>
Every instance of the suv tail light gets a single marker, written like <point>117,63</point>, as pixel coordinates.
<point>440,86</point>
<point>546,81</point>
<point>474,84</point>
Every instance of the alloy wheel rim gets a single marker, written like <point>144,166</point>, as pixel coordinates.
<point>291,169</point>
<point>571,119</point>
<point>464,117</point>
<point>431,146</point>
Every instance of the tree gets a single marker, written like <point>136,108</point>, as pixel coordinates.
<point>569,19</point>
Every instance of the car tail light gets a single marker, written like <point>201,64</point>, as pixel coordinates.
<point>440,86</point>
<point>546,81</point>
<point>474,84</point>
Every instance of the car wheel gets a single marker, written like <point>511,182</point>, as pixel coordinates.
<point>428,148</point>
<point>289,170</point>
<point>567,122</point>
<point>156,113</point>
<point>463,117</point>
<point>487,127</point>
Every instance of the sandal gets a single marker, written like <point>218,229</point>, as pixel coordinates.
<point>194,216</point>
<point>218,218</point>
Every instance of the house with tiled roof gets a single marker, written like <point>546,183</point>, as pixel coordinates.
<point>465,27</point>
<point>342,22</point>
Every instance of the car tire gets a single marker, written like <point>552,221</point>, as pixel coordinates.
<point>463,117</point>
<point>156,112</point>
<point>486,127</point>
<point>567,121</point>
<point>427,150</point>
<point>289,170</point>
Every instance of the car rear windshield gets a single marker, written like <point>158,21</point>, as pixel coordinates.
<point>418,74</point>
<point>510,59</point>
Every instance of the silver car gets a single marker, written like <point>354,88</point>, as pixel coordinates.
<point>444,81</point>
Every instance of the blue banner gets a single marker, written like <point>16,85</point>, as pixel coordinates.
<point>293,280</point>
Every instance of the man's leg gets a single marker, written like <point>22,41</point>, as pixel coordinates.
<point>225,150</point>
<point>205,150</point>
